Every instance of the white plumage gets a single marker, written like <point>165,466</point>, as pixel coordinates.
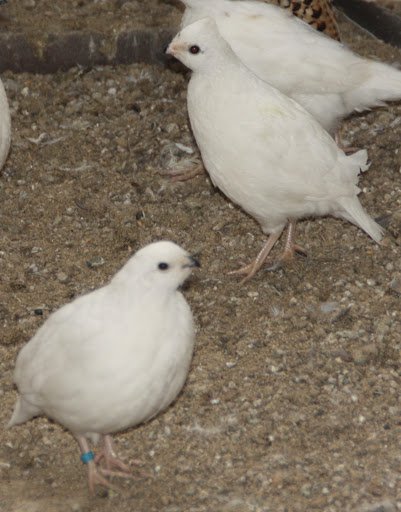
<point>321,74</point>
<point>5,126</point>
<point>263,150</point>
<point>113,358</point>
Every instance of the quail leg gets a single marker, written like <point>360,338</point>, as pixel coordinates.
<point>290,248</point>
<point>251,269</point>
<point>94,477</point>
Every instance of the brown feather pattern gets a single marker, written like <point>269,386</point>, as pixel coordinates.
<point>317,13</point>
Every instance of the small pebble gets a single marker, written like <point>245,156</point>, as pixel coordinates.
<point>395,284</point>
<point>306,490</point>
<point>253,295</point>
<point>62,277</point>
<point>384,506</point>
<point>366,354</point>
<point>329,307</point>
<point>95,262</point>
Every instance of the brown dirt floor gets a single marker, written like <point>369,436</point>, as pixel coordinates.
<point>394,5</point>
<point>103,15</point>
<point>293,399</point>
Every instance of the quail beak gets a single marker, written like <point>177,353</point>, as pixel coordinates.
<point>192,262</point>
<point>170,50</point>
<point>174,48</point>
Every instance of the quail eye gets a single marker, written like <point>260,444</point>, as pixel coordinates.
<point>163,266</point>
<point>194,49</point>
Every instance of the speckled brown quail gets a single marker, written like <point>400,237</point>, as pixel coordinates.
<point>317,13</point>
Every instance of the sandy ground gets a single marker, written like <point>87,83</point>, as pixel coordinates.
<point>293,398</point>
<point>103,15</point>
<point>390,4</point>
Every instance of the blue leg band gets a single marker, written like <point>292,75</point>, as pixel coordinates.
<point>87,457</point>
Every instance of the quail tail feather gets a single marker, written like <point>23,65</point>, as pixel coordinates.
<point>354,213</point>
<point>352,209</point>
<point>383,84</point>
<point>23,411</point>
